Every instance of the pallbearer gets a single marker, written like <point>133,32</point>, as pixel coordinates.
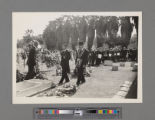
<point>65,57</point>
<point>81,60</point>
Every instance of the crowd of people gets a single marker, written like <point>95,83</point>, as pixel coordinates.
<point>97,57</point>
<point>82,57</point>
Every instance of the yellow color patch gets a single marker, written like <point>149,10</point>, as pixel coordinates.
<point>110,111</point>
<point>100,111</point>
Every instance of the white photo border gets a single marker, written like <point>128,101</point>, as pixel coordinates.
<point>54,100</point>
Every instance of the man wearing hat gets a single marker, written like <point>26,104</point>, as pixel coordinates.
<point>81,60</point>
<point>65,57</point>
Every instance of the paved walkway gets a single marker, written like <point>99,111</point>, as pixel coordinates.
<point>102,83</point>
<point>30,87</point>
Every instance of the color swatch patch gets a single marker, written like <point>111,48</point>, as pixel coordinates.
<point>105,111</point>
<point>100,111</point>
<point>48,111</point>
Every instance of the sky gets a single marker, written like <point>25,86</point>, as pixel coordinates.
<point>37,21</point>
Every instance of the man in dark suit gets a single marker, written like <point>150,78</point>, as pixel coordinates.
<point>65,57</point>
<point>81,61</point>
<point>123,54</point>
<point>31,62</point>
<point>93,57</point>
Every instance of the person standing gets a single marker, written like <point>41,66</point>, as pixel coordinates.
<point>31,62</point>
<point>89,58</point>
<point>98,58</point>
<point>93,52</point>
<point>104,55</point>
<point>118,55</point>
<point>111,54</point>
<point>65,57</point>
<point>81,60</point>
<point>124,54</point>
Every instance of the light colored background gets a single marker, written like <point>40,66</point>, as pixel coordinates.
<point>16,26</point>
<point>130,111</point>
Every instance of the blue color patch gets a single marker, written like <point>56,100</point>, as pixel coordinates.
<point>55,111</point>
<point>115,111</point>
<point>49,111</point>
<point>103,111</point>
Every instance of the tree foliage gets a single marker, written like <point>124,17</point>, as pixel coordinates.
<point>126,30</point>
<point>71,29</point>
<point>28,37</point>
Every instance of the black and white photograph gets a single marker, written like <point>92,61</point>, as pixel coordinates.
<point>76,57</point>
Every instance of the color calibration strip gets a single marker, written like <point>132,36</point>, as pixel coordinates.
<point>86,113</point>
<point>107,111</point>
<point>57,112</point>
<point>54,111</point>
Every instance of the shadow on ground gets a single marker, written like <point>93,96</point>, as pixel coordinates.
<point>133,90</point>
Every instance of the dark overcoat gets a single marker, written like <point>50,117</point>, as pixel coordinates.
<point>32,57</point>
<point>65,57</point>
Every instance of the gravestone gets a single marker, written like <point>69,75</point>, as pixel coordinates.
<point>135,67</point>
<point>114,68</point>
<point>108,63</point>
<point>132,64</point>
<point>122,64</point>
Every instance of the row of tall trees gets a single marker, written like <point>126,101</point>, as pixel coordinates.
<point>92,30</point>
<point>71,29</point>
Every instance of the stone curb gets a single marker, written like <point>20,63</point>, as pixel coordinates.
<point>122,93</point>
